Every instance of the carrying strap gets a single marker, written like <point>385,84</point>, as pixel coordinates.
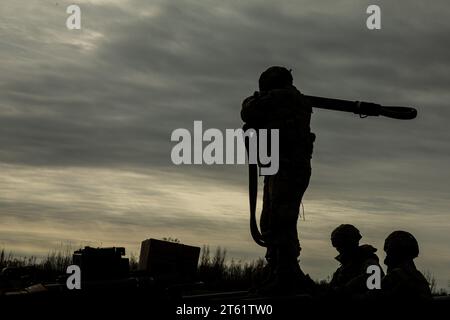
<point>253,197</point>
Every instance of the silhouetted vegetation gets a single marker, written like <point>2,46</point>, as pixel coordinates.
<point>236,275</point>
<point>9,260</point>
<point>215,270</point>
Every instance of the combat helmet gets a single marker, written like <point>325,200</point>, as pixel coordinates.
<point>401,245</point>
<point>275,77</point>
<point>345,235</point>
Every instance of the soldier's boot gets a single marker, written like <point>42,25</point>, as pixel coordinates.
<point>268,272</point>
<point>280,283</point>
<point>271,266</point>
<point>301,282</point>
<point>290,274</point>
<point>287,278</point>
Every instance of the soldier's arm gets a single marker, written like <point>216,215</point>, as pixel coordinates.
<point>255,109</point>
<point>248,108</point>
<point>334,282</point>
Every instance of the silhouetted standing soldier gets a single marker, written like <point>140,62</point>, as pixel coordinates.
<point>403,281</point>
<point>350,278</point>
<point>279,105</point>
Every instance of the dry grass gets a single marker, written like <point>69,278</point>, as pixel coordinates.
<point>217,273</point>
<point>214,269</point>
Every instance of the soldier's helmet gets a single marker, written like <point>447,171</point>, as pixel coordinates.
<point>345,235</point>
<point>401,245</point>
<point>275,78</point>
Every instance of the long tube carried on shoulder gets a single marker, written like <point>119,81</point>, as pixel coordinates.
<point>362,108</point>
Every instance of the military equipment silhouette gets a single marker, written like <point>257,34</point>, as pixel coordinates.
<point>362,108</point>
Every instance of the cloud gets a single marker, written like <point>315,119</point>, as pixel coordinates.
<point>86,118</point>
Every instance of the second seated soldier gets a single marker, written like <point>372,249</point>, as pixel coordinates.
<point>403,281</point>
<point>279,105</point>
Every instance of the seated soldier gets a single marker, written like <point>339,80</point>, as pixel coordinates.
<point>351,277</point>
<point>403,281</point>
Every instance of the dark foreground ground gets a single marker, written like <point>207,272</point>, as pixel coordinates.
<point>218,291</point>
<point>185,302</point>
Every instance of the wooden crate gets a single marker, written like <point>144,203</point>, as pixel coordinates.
<point>168,259</point>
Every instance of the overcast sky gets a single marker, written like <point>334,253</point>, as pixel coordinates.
<point>86,118</point>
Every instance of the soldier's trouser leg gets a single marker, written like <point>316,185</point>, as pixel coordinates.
<point>283,194</point>
<point>266,225</point>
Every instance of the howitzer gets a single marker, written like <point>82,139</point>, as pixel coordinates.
<point>363,109</point>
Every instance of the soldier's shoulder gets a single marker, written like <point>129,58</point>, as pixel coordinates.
<point>367,253</point>
<point>401,275</point>
<point>396,273</point>
<point>406,283</point>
